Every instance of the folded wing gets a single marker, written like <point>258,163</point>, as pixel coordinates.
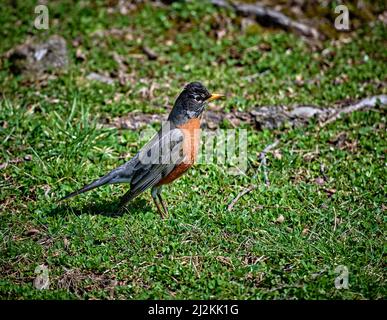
<point>151,164</point>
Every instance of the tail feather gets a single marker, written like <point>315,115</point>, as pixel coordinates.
<point>116,176</point>
<point>95,184</point>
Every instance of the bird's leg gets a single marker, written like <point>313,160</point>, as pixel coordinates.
<point>163,204</point>
<point>159,208</point>
<point>158,193</point>
<point>154,193</point>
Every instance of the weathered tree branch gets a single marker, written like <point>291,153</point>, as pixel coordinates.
<point>267,16</point>
<point>265,117</point>
<point>362,104</point>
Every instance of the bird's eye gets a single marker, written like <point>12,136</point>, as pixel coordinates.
<point>198,98</point>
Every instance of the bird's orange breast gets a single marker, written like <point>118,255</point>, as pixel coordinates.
<point>191,142</point>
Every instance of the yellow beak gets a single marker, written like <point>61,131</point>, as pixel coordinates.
<point>215,96</point>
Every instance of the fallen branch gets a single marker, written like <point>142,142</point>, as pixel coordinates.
<point>263,117</point>
<point>267,16</point>
<point>362,104</point>
<point>262,157</point>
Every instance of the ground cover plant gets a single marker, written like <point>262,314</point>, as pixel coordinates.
<point>322,212</point>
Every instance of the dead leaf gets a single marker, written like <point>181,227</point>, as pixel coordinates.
<point>80,55</point>
<point>31,232</point>
<point>280,219</point>
<point>225,260</point>
<point>264,46</point>
<point>277,154</point>
<point>330,192</point>
<point>299,80</point>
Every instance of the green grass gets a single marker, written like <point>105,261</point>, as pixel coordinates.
<point>202,251</point>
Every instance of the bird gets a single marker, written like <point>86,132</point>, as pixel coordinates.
<point>167,156</point>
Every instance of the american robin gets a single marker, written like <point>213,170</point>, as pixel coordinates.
<point>169,154</point>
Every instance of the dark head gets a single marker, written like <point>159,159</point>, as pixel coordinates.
<point>190,103</point>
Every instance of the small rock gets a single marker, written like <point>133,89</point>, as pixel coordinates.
<point>212,119</point>
<point>37,58</point>
<point>320,181</point>
<point>270,117</point>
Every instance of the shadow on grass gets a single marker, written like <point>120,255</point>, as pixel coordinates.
<point>105,208</point>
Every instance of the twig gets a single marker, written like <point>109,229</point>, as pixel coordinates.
<point>241,194</point>
<point>149,53</point>
<point>269,16</point>
<point>263,163</point>
<point>118,264</point>
<point>262,157</point>
<point>194,265</point>
<point>362,104</point>
<point>322,170</point>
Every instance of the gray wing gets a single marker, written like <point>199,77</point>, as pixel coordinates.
<point>152,163</point>
<point>156,160</point>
